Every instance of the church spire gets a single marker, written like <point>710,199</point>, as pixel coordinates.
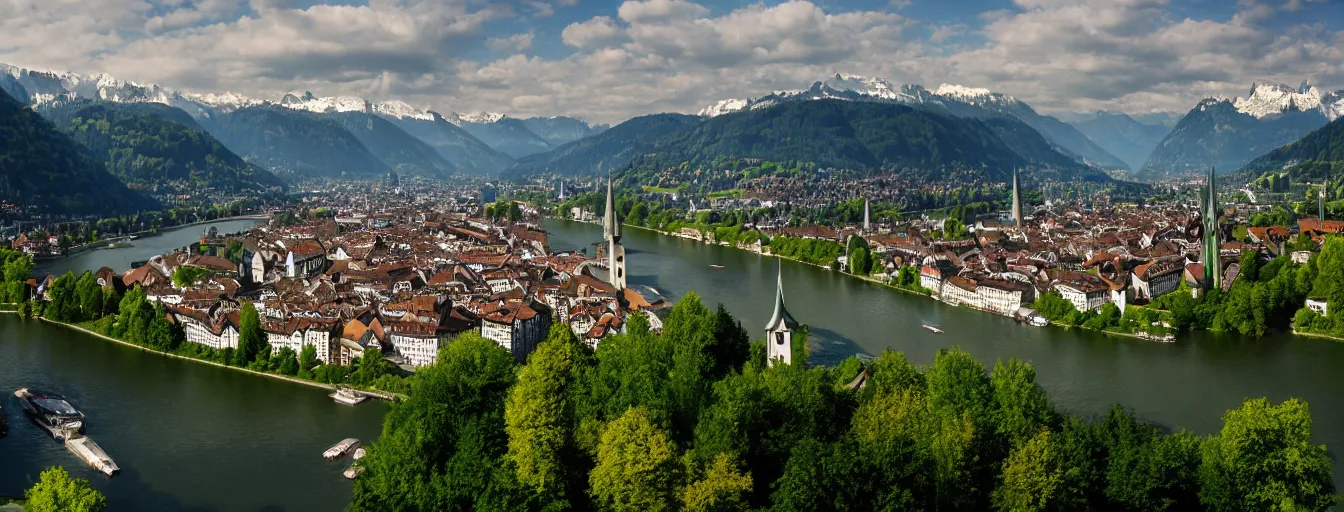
<point>781,316</point>
<point>867,226</point>
<point>611,224</point>
<point>779,330</point>
<point>1017,201</point>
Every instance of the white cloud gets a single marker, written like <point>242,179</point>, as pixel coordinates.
<point>653,11</point>
<point>671,55</point>
<point>599,31</point>
<point>516,43</point>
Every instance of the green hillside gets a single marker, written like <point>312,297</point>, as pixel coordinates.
<point>42,167</point>
<point>150,144</point>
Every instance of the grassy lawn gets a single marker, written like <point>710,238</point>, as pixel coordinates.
<point>661,190</point>
<point>726,193</point>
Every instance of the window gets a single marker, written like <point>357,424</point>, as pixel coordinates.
<point>779,338</point>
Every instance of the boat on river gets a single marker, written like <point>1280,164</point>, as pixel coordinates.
<point>715,266</point>
<point>340,449</point>
<point>93,455</point>
<point>347,396</point>
<point>52,412</point>
<point>932,328</point>
<point>359,453</point>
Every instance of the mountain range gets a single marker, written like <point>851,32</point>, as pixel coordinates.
<point>950,99</point>
<point>1123,136</point>
<point>42,167</point>
<point>1317,156</point>
<point>395,134</point>
<point>827,133</point>
<point>1229,133</point>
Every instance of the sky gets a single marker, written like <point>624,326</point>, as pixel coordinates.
<point>607,61</point>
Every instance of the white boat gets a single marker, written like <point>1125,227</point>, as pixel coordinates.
<point>359,453</point>
<point>353,471</point>
<point>1038,321</point>
<point>340,449</point>
<point>93,455</point>
<point>715,266</point>
<point>347,397</point>
<point>932,328</point>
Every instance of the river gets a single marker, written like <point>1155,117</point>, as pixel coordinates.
<point>1187,384</point>
<point>187,436</point>
<point>141,249</point>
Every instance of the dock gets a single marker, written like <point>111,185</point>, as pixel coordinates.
<point>93,455</point>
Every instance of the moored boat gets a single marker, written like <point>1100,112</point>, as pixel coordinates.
<point>359,453</point>
<point>340,449</point>
<point>347,397</point>
<point>52,412</point>
<point>93,455</point>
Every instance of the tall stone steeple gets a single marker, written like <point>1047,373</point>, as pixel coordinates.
<point>611,228</point>
<point>1320,206</point>
<point>867,226</point>
<point>779,330</point>
<point>1017,201</point>
<point>1213,264</point>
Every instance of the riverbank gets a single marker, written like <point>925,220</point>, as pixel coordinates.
<point>93,246</point>
<point>374,393</point>
<point>927,294</point>
<point>1316,335</point>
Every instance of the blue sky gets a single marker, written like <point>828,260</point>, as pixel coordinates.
<point>607,60</point>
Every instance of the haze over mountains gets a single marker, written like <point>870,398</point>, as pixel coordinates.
<point>304,135</point>
<point>250,142</point>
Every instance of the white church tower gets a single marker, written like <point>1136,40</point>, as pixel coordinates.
<point>1017,202</point>
<point>867,226</point>
<point>611,227</point>
<point>779,331</point>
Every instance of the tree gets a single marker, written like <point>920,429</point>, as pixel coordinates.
<point>1021,408</point>
<point>55,491</point>
<point>536,417</point>
<point>251,339</point>
<point>289,361</point>
<point>64,305</point>
<point>1031,476</point>
<point>1263,459</point>
<point>634,469</point>
<point>90,296</point>
<point>307,361</point>
<point>723,488</point>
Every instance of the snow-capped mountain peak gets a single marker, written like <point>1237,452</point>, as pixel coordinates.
<point>724,107</point>
<point>224,102</point>
<point>325,105</point>
<point>479,117</point>
<point>402,110</point>
<point>1271,98</point>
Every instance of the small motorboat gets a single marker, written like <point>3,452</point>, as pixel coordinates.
<point>359,453</point>
<point>932,328</point>
<point>715,266</point>
<point>340,449</point>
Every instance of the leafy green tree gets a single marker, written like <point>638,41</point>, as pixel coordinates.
<point>635,465</point>
<point>1021,407</point>
<point>90,296</point>
<point>1031,476</point>
<point>1263,459</point>
<point>536,417</point>
<point>251,339</point>
<point>64,305</point>
<point>307,361</point>
<point>724,488</point>
<point>55,491</point>
<point>18,268</point>
<point>289,361</point>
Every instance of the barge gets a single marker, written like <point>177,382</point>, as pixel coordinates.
<point>52,412</point>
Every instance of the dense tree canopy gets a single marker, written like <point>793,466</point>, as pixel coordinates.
<point>682,421</point>
<point>55,491</point>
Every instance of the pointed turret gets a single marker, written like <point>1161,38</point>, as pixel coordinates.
<point>1017,202</point>
<point>779,330</point>
<point>611,226</point>
<point>1213,264</point>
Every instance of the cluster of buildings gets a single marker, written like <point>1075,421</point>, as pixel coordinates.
<point>396,274</point>
<point>1090,256</point>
